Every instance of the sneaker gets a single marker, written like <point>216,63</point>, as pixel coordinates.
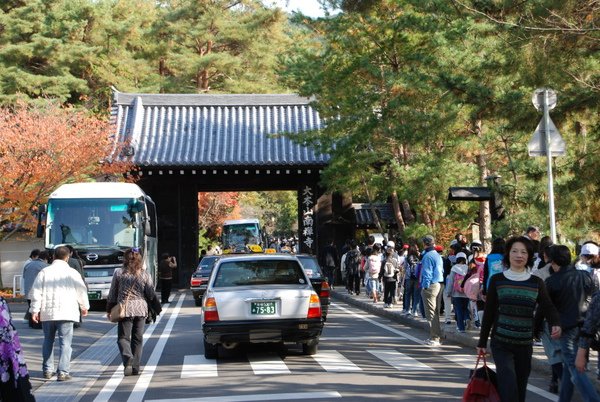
<point>434,343</point>
<point>63,377</point>
<point>48,375</point>
<point>409,313</point>
<point>135,371</point>
<point>127,371</point>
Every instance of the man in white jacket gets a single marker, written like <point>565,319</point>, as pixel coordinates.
<point>57,295</point>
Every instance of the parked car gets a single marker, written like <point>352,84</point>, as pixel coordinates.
<point>259,298</point>
<point>199,278</point>
<point>318,280</point>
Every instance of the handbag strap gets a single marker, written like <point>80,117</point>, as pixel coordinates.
<point>481,356</point>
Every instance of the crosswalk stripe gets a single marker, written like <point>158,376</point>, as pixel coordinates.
<point>267,364</point>
<point>335,362</point>
<point>198,366</point>
<point>398,360</point>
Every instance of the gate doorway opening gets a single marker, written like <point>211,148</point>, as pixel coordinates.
<point>276,212</point>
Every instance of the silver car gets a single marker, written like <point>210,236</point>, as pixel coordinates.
<point>256,298</point>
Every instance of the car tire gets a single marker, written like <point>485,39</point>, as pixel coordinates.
<point>210,351</point>
<point>310,348</point>
<point>198,302</point>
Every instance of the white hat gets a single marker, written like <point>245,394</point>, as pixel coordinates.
<point>390,244</point>
<point>589,249</point>
<point>461,255</point>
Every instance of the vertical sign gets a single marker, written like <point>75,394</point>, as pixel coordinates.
<point>307,235</point>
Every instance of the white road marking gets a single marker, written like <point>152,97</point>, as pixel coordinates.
<point>471,358</point>
<point>137,395</point>
<point>269,364</point>
<point>398,360</point>
<point>198,366</point>
<point>361,338</point>
<point>380,325</point>
<point>257,397</point>
<point>335,362</point>
<point>114,381</point>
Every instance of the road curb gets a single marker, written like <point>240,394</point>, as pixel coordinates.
<point>538,362</point>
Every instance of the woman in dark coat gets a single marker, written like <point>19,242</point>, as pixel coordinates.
<point>133,288</point>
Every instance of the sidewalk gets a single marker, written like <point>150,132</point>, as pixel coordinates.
<point>450,334</point>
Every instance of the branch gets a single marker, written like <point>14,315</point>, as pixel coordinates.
<point>580,31</point>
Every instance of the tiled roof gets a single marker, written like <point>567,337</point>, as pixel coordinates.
<point>364,216</point>
<point>215,130</point>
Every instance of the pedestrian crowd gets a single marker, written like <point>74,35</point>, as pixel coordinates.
<point>57,295</point>
<point>526,291</point>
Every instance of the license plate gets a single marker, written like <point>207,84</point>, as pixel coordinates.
<point>262,308</point>
<point>94,295</point>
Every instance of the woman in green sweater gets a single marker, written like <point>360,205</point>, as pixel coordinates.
<point>511,299</point>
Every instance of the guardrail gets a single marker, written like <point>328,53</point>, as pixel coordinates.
<point>18,285</point>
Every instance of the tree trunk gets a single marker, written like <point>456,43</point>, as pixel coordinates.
<point>398,213</point>
<point>407,212</point>
<point>485,218</point>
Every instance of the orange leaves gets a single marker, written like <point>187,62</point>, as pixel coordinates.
<point>44,146</point>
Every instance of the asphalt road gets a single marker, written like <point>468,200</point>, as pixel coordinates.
<point>362,357</point>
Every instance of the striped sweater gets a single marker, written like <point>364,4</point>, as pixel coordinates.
<point>509,310</point>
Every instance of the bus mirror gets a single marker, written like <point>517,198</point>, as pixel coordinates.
<point>41,218</point>
<point>39,231</point>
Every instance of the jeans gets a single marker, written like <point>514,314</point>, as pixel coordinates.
<point>410,286</point>
<point>330,274</point>
<point>130,340</point>
<point>389,291</point>
<point>513,365</point>
<point>432,310</point>
<point>461,309</point>
<point>165,290</point>
<point>64,330</point>
<point>571,377</point>
<point>372,286</point>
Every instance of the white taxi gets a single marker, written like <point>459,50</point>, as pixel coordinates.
<point>257,298</point>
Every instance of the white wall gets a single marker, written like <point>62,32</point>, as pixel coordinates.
<point>13,254</point>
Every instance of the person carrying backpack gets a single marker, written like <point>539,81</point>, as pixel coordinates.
<point>352,264</point>
<point>460,301</point>
<point>391,269</point>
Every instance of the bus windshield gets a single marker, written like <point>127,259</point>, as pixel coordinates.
<point>96,222</point>
<point>240,234</point>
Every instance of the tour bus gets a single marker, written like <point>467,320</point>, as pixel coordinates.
<point>239,235</point>
<point>101,221</point>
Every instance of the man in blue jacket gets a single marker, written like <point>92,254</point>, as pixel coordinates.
<point>432,273</point>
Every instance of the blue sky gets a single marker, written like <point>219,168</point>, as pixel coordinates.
<point>308,7</point>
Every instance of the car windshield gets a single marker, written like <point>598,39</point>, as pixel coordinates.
<point>311,267</point>
<point>259,272</point>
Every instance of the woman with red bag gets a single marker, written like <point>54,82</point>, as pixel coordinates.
<point>509,314</point>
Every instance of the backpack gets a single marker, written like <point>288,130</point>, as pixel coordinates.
<point>353,262</point>
<point>471,286</point>
<point>457,283</point>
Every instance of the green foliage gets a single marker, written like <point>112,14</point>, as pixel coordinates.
<point>424,95</point>
<point>276,210</point>
<point>75,50</point>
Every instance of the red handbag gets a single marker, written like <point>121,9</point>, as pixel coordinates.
<point>481,388</point>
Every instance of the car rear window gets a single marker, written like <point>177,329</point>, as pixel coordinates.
<point>311,266</point>
<point>261,272</point>
<point>206,265</point>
